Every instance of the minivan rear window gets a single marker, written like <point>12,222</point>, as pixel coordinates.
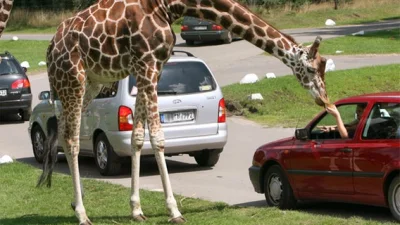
<point>181,78</point>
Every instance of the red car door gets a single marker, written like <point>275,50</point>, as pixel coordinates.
<point>322,166</point>
<point>377,152</point>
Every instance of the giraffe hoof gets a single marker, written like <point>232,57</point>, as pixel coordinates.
<point>177,220</point>
<point>139,218</point>
<point>87,222</point>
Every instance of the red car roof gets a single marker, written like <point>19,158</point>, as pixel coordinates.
<point>369,96</point>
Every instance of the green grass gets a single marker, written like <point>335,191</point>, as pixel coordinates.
<point>22,203</point>
<point>287,104</point>
<point>24,50</point>
<point>359,12</point>
<point>379,42</point>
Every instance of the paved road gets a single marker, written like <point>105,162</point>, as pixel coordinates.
<point>230,177</point>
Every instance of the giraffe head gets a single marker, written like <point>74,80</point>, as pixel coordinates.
<point>309,69</point>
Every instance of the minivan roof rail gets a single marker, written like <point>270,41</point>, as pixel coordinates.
<point>180,51</point>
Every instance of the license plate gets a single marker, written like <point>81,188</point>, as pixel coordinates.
<point>3,93</point>
<point>174,117</point>
<point>200,28</point>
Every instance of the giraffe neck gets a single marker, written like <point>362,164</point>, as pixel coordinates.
<point>240,21</point>
<point>5,10</point>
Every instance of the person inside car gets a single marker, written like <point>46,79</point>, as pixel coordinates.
<point>345,130</point>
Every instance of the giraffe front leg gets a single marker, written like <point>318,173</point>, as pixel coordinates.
<point>137,144</point>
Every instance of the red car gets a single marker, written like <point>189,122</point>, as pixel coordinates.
<point>317,164</point>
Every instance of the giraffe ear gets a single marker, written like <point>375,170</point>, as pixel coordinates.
<point>314,48</point>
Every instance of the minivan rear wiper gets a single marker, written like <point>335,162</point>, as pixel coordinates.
<point>167,92</point>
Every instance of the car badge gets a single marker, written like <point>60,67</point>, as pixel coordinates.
<point>176,101</point>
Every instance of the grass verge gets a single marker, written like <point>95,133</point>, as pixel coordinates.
<point>22,203</point>
<point>287,104</point>
<point>379,42</point>
<point>24,50</point>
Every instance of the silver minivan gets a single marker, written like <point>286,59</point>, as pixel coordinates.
<point>192,113</point>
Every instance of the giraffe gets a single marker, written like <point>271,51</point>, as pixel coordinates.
<point>5,10</point>
<point>114,38</point>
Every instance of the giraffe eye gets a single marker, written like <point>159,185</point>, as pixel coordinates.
<point>311,70</point>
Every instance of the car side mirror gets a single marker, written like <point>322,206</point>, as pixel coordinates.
<point>301,134</point>
<point>44,95</point>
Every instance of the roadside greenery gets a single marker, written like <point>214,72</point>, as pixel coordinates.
<point>284,14</point>
<point>379,42</point>
<point>287,104</point>
<point>22,203</point>
<point>27,50</point>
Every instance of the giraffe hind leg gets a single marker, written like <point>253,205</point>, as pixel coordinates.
<point>158,143</point>
<point>137,141</point>
<point>91,91</point>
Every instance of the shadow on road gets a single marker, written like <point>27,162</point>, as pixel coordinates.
<point>340,210</point>
<point>148,167</point>
<point>10,119</point>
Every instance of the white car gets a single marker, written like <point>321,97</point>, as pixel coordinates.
<point>192,113</point>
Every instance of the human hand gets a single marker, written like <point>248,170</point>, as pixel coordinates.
<point>326,129</point>
<point>332,110</point>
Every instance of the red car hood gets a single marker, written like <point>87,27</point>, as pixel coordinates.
<point>284,142</point>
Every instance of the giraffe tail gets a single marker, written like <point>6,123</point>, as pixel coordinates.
<point>50,153</point>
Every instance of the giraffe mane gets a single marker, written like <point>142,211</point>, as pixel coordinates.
<point>290,38</point>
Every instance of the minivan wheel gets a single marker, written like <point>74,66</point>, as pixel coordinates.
<point>207,157</point>
<point>107,162</point>
<point>394,198</point>
<point>38,141</point>
<point>277,189</point>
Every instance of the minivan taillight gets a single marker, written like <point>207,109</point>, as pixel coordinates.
<point>125,118</point>
<point>20,83</point>
<point>221,111</point>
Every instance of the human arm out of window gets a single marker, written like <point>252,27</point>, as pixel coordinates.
<point>340,125</point>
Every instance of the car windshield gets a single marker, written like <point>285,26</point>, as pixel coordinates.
<point>181,78</point>
<point>8,67</point>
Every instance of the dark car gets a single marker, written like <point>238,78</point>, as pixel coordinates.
<point>194,29</point>
<point>317,164</point>
<point>15,88</point>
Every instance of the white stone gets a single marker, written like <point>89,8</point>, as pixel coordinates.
<point>330,22</point>
<point>270,75</point>
<point>339,52</point>
<point>249,79</point>
<point>360,33</point>
<point>330,65</point>
<point>6,159</point>
<point>15,38</point>
<point>25,64</point>
<point>256,96</point>
<point>42,63</point>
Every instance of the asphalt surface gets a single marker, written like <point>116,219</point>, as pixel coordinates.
<point>229,178</point>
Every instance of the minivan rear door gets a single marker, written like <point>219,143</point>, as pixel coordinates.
<point>188,99</point>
